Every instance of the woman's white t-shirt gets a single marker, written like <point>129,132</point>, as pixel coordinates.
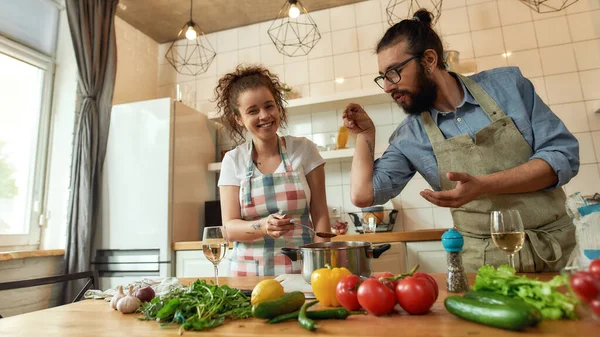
<point>303,154</point>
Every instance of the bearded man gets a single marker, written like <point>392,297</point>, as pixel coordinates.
<point>485,142</point>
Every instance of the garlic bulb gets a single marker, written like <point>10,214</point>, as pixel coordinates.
<point>128,304</point>
<point>116,297</point>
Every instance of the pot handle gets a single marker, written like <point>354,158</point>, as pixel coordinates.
<point>292,253</point>
<point>376,251</point>
<point>355,219</point>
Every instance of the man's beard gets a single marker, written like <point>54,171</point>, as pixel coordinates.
<point>423,99</point>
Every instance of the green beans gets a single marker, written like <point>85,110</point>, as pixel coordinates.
<point>339,313</point>
<point>306,322</point>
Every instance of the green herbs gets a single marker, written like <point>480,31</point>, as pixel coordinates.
<point>198,307</point>
<point>542,295</point>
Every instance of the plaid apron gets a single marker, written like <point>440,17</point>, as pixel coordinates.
<point>259,197</point>
<point>550,233</point>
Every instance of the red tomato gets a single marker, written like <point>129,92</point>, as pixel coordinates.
<point>595,305</point>
<point>415,295</point>
<point>584,286</point>
<point>376,298</point>
<point>381,277</point>
<point>595,267</point>
<point>431,280</point>
<point>346,292</point>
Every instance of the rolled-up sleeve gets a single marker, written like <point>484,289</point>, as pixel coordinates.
<point>552,141</point>
<point>391,173</point>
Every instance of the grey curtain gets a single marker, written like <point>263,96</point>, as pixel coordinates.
<point>91,23</point>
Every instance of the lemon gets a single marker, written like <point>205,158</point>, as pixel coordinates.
<point>266,290</point>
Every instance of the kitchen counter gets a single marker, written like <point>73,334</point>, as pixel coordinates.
<point>422,235</point>
<point>95,318</point>
<point>190,245</point>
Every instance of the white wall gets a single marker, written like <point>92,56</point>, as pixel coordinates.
<point>559,52</point>
<point>137,62</point>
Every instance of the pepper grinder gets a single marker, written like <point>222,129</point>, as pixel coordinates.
<point>456,280</point>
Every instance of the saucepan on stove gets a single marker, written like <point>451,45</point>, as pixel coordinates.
<point>354,255</point>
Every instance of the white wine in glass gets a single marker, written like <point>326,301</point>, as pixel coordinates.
<point>507,232</point>
<point>215,245</point>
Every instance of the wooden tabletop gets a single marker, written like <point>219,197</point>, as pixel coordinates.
<point>96,318</point>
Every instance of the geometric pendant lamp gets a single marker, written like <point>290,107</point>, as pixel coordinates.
<point>193,54</point>
<point>293,32</point>
<point>548,6</point>
<point>398,10</point>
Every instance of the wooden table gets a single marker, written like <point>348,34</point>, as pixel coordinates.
<point>95,318</point>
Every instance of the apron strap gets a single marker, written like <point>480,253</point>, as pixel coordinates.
<point>536,243</point>
<point>433,131</point>
<point>249,173</point>
<point>487,103</point>
<point>284,156</point>
<point>250,167</point>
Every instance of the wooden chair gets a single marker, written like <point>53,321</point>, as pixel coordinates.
<point>92,281</point>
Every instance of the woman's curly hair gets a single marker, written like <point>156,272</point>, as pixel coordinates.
<point>233,84</point>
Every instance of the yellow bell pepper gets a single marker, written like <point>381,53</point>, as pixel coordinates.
<point>324,282</point>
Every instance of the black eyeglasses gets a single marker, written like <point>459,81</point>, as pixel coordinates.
<point>392,75</point>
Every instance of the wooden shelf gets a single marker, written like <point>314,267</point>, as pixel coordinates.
<point>214,167</point>
<point>340,100</point>
<point>331,102</point>
<point>327,155</point>
<point>337,154</point>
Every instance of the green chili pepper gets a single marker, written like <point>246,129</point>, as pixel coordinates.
<point>306,322</point>
<point>339,313</point>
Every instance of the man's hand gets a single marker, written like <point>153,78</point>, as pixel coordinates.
<point>467,188</point>
<point>356,119</point>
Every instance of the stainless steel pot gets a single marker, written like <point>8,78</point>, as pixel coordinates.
<point>354,255</point>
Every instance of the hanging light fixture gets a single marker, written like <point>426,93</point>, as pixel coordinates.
<point>548,6</point>
<point>398,10</point>
<point>293,32</point>
<point>193,54</point>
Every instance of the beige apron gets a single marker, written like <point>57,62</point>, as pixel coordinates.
<point>550,233</point>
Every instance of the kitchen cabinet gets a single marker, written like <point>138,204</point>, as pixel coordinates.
<point>193,263</point>
<point>392,260</point>
<point>430,256</point>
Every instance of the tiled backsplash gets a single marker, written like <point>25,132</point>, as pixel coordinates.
<point>559,52</point>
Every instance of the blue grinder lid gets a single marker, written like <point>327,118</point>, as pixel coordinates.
<point>452,241</point>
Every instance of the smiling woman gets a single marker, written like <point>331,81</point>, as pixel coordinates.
<point>270,183</point>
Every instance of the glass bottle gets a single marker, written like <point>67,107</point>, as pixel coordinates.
<point>456,280</point>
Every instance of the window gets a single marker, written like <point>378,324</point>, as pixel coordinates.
<point>25,87</point>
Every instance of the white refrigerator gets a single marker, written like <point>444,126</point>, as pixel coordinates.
<point>154,185</point>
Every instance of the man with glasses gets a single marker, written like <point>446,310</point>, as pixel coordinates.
<point>485,142</point>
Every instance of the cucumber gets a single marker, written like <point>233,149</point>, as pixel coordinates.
<point>287,303</point>
<point>496,315</point>
<point>535,316</point>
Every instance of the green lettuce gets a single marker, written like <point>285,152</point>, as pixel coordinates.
<point>543,295</point>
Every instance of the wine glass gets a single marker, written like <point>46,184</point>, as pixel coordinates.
<point>507,232</point>
<point>215,245</point>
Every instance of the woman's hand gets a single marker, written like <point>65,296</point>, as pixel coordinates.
<point>276,225</point>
